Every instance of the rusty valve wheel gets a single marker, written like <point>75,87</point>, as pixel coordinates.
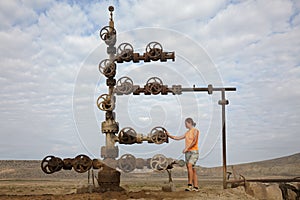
<point>180,163</point>
<point>154,85</point>
<point>154,50</point>
<point>51,164</point>
<point>127,163</point>
<point>127,136</point>
<point>105,102</point>
<point>125,51</point>
<point>159,162</point>
<point>158,135</point>
<point>82,163</point>
<point>124,86</point>
<point>107,68</point>
<point>108,34</point>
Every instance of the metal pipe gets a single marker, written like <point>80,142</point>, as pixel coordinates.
<point>275,180</point>
<point>194,89</point>
<point>224,140</point>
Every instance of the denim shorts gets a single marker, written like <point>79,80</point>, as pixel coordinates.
<point>192,157</point>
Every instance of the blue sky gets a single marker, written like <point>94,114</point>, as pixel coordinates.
<point>49,77</point>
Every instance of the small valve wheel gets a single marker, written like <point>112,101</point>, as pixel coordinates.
<point>125,51</point>
<point>82,163</point>
<point>107,68</point>
<point>108,35</point>
<point>158,135</point>
<point>127,163</point>
<point>159,162</point>
<point>127,136</point>
<point>105,102</point>
<point>154,50</point>
<point>51,164</point>
<point>124,86</point>
<point>154,85</point>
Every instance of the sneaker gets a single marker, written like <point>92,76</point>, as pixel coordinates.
<point>195,189</point>
<point>189,188</point>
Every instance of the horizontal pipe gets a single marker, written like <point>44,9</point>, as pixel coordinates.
<point>206,89</point>
<point>278,180</point>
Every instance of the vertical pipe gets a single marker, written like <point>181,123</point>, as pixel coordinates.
<point>93,178</point>
<point>224,140</point>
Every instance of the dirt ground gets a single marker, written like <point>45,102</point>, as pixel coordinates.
<point>134,189</point>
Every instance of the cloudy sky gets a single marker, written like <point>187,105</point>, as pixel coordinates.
<point>49,79</point>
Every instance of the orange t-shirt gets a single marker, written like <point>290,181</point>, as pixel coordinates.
<point>189,137</point>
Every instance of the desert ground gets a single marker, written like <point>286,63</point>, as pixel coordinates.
<point>24,180</point>
<point>134,189</point>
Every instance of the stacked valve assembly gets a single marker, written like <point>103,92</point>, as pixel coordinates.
<point>106,102</point>
<point>126,163</point>
<point>108,176</point>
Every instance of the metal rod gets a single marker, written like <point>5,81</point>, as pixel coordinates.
<point>93,178</point>
<point>205,89</point>
<point>275,180</point>
<point>224,141</point>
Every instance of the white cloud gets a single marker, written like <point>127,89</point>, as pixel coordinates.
<point>49,48</point>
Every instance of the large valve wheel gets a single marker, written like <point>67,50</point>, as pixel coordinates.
<point>154,50</point>
<point>127,163</point>
<point>124,85</point>
<point>107,68</point>
<point>127,136</point>
<point>125,51</point>
<point>154,85</point>
<point>158,135</point>
<point>108,35</point>
<point>51,164</point>
<point>105,102</point>
<point>159,162</point>
<point>82,163</point>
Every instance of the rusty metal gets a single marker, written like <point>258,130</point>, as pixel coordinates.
<point>125,52</point>
<point>267,180</point>
<point>111,162</point>
<point>108,177</point>
<point>159,162</point>
<point>127,163</point>
<point>106,102</point>
<point>128,135</point>
<point>140,163</point>
<point>82,163</point>
<point>107,68</point>
<point>154,86</point>
<point>68,163</point>
<point>223,103</point>
<point>158,135</point>
<point>284,187</point>
<point>124,86</point>
<point>97,163</point>
<point>154,52</point>
<point>51,164</point>
<point>109,35</point>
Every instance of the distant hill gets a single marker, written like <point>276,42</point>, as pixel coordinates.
<point>285,166</point>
